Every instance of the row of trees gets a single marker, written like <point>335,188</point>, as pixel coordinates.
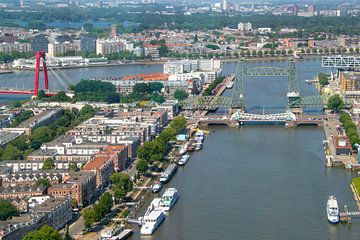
<point>7,210</point>
<point>20,147</point>
<point>335,103</point>
<point>121,185</point>
<point>96,213</point>
<point>48,233</point>
<point>350,128</point>
<point>156,150</point>
<point>9,57</point>
<point>21,117</point>
<point>208,91</point>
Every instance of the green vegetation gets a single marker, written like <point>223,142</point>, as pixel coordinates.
<point>48,164</point>
<point>350,128</point>
<point>180,94</point>
<point>323,79</point>
<point>43,182</point>
<point>45,232</point>
<point>21,117</point>
<point>7,210</point>
<point>88,90</point>
<point>20,147</point>
<point>213,85</point>
<point>98,211</point>
<point>9,57</point>
<point>142,166</point>
<point>335,103</point>
<point>356,183</point>
<point>121,184</point>
<point>156,150</point>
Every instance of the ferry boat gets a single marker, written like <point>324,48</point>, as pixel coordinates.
<point>184,160</point>
<point>169,199</point>
<point>332,210</point>
<point>152,221</point>
<point>156,188</point>
<point>230,85</point>
<point>168,173</point>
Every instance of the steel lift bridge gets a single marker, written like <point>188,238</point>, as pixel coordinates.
<point>296,102</point>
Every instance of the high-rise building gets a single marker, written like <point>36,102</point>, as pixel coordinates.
<point>107,46</point>
<point>311,8</point>
<point>113,31</point>
<point>224,5</point>
<point>22,3</point>
<point>245,27</point>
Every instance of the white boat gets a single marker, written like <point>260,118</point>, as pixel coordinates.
<point>199,136</point>
<point>182,151</point>
<point>198,146</point>
<point>108,233</point>
<point>332,210</point>
<point>184,160</point>
<point>125,234</point>
<point>157,187</point>
<point>152,221</point>
<point>169,199</point>
<point>230,85</point>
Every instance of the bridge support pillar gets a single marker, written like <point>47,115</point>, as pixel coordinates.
<point>298,111</point>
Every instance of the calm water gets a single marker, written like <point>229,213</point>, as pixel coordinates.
<point>265,182</point>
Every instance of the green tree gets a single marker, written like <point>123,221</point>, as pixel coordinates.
<point>122,184</point>
<point>12,153</point>
<point>43,182</point>
<point>113,98</point>
<point>89,216</point>
<point>163,50</point>
<point>323,79</point>
<point>335,103</point>
<point>180,94</point>
<point>7,210</point>
<point>48,164</point>
<point>141,166</point>
<point>45,232</point>
<point>41,94</point>
<point>73,167</point>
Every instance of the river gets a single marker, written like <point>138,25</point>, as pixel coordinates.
<point>253,182</point>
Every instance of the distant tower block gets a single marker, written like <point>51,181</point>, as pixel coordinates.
<point>224,5</point>
<point>113,32</point>
<point>22,3</point>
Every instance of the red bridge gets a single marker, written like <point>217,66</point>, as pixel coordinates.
<point>40,57</point>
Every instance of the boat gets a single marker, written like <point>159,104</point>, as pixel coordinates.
<point>191,147</point>
<point>198,146</point>
<point>125,234</point>
<point>169,199</point>
<point>184,160</point>
<point>183,150</point>
<point>108,233</point>
<point>230,85</point>
<point>332,210</point>
<point>156,188</point>
<point>199,136</point>
<point>152,221</point>
<point>168,173</point>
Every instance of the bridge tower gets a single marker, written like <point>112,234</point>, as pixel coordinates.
<point>237,95</point>
<point>293,94</point>
<point>40,56</point>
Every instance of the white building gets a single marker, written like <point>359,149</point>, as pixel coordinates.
<point>187,66</point>
<point>245,27</point>
<point>108,46</point>
<point>61,48</point>
<point>224,5</point>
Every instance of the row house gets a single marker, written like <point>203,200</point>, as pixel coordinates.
<point>30,178</point>
<point>78,185</point>
<point>103,166</point>
<point>14,166</point>
<point>119,154</point>
<point>21,192</point>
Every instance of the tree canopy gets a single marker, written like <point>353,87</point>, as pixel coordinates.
<point>335,103</point>
<point>323,79</point>
<point>44,233</point>
<point>7,210</point>
<point>180,94</point>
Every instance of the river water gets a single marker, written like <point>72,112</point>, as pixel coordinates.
<point>253,182</point>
